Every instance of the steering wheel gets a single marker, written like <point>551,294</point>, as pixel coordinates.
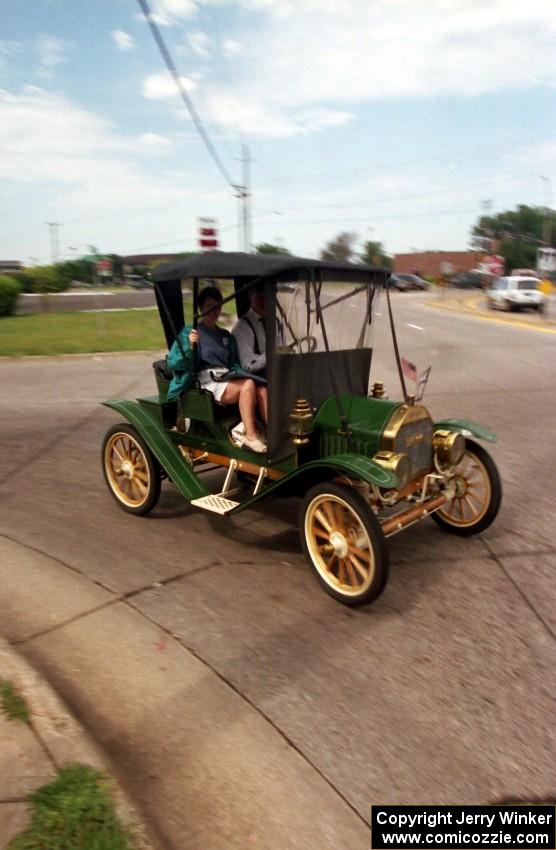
<point>304,345</point>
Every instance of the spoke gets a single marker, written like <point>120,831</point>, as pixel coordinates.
<point>351,572</point>
<point>363,553</point>
<point>135,489</point>
<point>330,563</point>
<point>362,568</point>
<point>341,571</point>
<point>116,451</point>
<point>141,486</point>
<point>460,508</point>
<point>469,504</point>
<point>317,532</point>
<point>141,474</point>
<point>328,510</point>
<point>471,495</point>
<point>320,516</point>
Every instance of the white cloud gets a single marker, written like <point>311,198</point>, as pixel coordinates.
<point>231,48</point>
<point>161,85</point>
<point>48,141</point>
<point>123,40</point>
<point>155,141</point>
<point>170,12</point>
<point>200,43</point>
<point>303,66</point>
<point>257,119</point>
<point>51,51</point>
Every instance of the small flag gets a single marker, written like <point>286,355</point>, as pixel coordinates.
<point>409,370</point>
<point>422,383</point>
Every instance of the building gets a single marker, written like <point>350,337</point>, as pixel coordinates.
<point>437,263</point>
<point>10,266</point>
<point>142,262</point>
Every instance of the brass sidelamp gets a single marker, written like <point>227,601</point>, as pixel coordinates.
<point>301,422</point>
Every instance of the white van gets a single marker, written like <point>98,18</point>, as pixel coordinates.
<point>513,293</point>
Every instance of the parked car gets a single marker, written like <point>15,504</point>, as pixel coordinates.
<point>515,293</point>
<point>408,282</point>
<point>137,281</point>
<point>467,280</point>
<point>362,466</point>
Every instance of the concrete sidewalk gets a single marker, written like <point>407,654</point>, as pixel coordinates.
<point>207,769</point>
<point>32,752</point>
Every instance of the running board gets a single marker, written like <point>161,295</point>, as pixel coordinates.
<point>216,503</point>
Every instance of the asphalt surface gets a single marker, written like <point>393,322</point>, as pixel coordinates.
<point>241,706</point>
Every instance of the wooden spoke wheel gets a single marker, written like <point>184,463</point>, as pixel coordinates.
<point>130,470</point>
<point>478,494</point>
<point>344,543</point>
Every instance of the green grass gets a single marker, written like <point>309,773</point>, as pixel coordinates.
<point>87,333</point>
<point>74,812</point>
<point>81,333</point>
<point>11,703</point>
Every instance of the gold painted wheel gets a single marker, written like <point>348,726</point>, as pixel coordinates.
<point>478,494</point>
<point>132,474</point>
<point>344,543</point>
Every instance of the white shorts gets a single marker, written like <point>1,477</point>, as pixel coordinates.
<point>207,382</point>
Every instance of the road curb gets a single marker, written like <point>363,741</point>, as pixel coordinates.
<point>61,735</point>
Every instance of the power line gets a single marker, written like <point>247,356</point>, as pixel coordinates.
<point>185,97</point>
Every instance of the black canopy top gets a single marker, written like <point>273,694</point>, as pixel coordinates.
<point>223,264</point>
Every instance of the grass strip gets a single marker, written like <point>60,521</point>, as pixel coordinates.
<point>13,704</point>
<point>81,333</point>
<point>86,333</point>
<point>74,812</point>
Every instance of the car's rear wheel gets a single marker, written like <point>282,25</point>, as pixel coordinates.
<point>344,543</point>
<point>478,494</point>
<point>130,470</point>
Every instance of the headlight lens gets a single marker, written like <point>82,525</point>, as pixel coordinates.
<point>449,447</point>
<point>397,463</point>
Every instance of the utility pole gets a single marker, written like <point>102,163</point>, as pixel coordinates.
<point>244,195</point>
<point>54,241</point>
<point>547,220</point>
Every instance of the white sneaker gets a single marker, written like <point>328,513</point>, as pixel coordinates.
<point>238,434</point>
<point>256,445</point>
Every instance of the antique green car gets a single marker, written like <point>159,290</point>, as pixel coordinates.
<point>364,466</point>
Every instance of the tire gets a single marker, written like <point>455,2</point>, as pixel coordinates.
<point>354,569</point>
<point>481,494</point>
<point>137,489</point>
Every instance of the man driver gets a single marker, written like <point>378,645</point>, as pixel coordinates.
<point>249,334</point>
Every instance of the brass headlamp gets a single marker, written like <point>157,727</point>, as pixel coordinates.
<point>397,463</point>
<point>449,447</point>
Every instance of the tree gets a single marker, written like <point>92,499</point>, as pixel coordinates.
<point>518,232</point>
<point>374,254</point>
<point>340,249</point>
<point>269,248</point>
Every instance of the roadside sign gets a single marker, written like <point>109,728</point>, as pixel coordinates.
<point>104,268</point>
<point>546,260</point>
<point>208,234</point>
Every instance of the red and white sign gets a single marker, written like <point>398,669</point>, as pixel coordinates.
<point>104,268</point>
<point>208,234</point>
<point>494,264</point>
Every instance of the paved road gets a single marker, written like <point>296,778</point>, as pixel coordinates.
<point>242,706</point>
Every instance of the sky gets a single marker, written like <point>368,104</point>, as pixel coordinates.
<point>400,121</point>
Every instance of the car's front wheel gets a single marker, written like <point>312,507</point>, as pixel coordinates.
<point>344,543</point>
<point>130,470</point>
<point>477,496</point>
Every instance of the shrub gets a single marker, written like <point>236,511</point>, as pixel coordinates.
<point>9,290</point>
<point>46,279</point>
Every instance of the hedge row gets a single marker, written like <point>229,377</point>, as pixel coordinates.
<point>9,290</point>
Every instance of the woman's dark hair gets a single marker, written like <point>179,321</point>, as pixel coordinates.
<point>209,292</point>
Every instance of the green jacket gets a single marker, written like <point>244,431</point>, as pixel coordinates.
<point>184,367</point>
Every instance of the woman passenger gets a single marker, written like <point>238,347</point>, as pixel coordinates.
<point>217,360</point>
